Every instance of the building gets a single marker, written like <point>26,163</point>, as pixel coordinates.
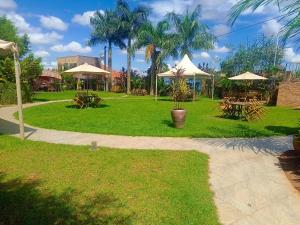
<point>49,80</point>
<point>95,83</point>
<point>69,62</point>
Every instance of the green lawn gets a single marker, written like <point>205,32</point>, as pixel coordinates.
<point>50,184</point>
<point>69,94</point>
<point>145,117</point>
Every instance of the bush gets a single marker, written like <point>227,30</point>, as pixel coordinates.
<point>8,94</point>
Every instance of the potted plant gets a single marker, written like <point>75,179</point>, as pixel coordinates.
<point>296,142</point>
<point>180,92</point>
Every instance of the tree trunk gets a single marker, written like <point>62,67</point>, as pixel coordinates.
<point>129,66</point>
<point>153,71</point>
<point>109,81</point>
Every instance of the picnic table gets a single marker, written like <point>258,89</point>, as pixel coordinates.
<point>83,100</point>
<point>248,110</point>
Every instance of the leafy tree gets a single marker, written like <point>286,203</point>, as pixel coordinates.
<point>289,10</point>
<point>159,43</point>
<point>106,28</point>
<point>191,33</point>
<point>31,68</point>
<point>131,22</point>
<point>258,57</point>
<point>8,32</point>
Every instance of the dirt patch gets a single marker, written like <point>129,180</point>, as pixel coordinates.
<point>290,163</point>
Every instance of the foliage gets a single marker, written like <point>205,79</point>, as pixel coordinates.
<point>180,91</point>
<point>191,34</point>
<point>31,68</point>
<point>8,32</point>
<point>257,58</point>
<point>69,81</point>
<point>159,43</point>
<point>288,9</point>
<point>131,21</point>
<point>8,93</point>
<point>106,28</point>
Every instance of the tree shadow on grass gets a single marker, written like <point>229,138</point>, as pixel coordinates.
<point>40,100</point>
<point>22,203</point>
<point>98,107</point>
<point>169,123</point>
<point>283,130</point>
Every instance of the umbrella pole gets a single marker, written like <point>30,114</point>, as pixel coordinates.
<point>156,88</point>
<point>19,93</point>
<point>194,95</point>
<point>213,87</point>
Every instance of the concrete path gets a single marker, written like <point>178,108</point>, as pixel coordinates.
<point>249,185</point>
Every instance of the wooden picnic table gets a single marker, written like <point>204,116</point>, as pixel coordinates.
<point>242,109</point>
<point>237,108</point>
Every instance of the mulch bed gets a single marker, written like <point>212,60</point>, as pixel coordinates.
<point>290,163</point>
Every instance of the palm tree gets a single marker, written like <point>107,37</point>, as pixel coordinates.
<point>191,33</point>
<point>106,29</point>
<point>289,10</point>
<point>159,43</point>
<point>131,22</point>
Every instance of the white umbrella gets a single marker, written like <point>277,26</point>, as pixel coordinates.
<point>189,71</point>
<point>247,76</point>
<point>86,69</point>
<point>6,46</point>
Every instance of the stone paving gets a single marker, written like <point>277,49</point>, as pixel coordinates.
<point>249,185</point>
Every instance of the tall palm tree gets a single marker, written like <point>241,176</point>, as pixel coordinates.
<point>131,22</point>
<point>106,28</point>
<point>191,33</point>
<point>289,9</point>
<point>159,43</point>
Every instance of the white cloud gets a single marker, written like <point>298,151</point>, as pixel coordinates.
<point>49,65</point>
<point>52,22</point>
<point>71,47</point>
<point>203,55</point>
<point>22,25</point>
<point>220,29</point>
<point>41,53</point>
<point>84,18</point>
<point>45,38</point>
<point>8,4</point>
<point>271,28</point>
<point>211,9</point>
<point>219,49</point>
<point>291,56</point>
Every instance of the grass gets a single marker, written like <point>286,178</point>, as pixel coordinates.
<point>69,94</point>
<point>50,184</point>
<point>145,117</point>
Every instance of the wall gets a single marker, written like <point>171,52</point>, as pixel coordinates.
<point>289,94</point>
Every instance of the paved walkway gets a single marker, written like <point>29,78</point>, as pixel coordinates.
<point>250,188</point>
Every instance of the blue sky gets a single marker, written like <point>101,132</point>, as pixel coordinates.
<point>60,27</point>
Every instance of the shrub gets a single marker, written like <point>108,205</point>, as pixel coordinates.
<point>180,91</point>
<point>8,93</point>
